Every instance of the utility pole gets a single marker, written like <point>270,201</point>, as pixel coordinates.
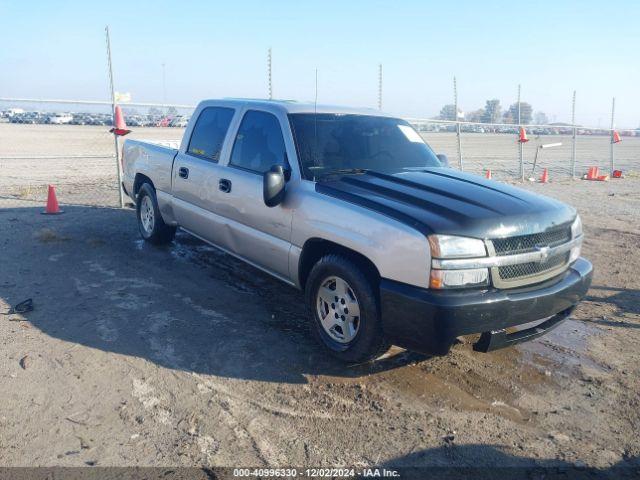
<point>113,113</point>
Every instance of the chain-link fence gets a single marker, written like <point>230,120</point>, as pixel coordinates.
<point>484,146</point>
<point>68,145</point>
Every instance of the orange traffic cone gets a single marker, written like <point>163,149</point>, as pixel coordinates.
<point>52,207</point>
<point>615,137</point>
<point>545,176</point>
<point>592,173</point>
<point>488,174</point>
<point>120,127</point>
<point>617,174</point>
<point>522,135</point>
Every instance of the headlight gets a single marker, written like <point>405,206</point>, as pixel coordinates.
<point>576,232</point>
<point>476,277</point>
<point>576,227</point>
<point>448,246</point>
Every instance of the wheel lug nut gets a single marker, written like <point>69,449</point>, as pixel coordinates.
<point>336,315</point>
<point>333,305</point>
<point>346,311</point>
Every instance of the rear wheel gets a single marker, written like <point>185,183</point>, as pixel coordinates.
<point>150,222</point>
<point>344,308</point>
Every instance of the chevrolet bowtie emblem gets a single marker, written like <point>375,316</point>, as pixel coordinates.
<point>544,253</point>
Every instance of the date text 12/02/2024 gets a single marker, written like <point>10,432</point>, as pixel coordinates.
<point>316,472</point>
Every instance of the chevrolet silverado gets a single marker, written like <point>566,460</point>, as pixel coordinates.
<point>388,244</point>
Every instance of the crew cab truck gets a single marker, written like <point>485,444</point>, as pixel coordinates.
<point>388,244</point>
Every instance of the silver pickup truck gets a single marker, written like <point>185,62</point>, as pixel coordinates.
<point>389,245</point>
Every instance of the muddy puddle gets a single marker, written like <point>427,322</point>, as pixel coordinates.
<point>563,350</point>
<point>464,380</point>
<point>490,383</point>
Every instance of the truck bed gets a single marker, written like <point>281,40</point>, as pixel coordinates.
<point>152,158</point>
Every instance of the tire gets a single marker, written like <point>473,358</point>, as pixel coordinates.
<point>150,222</point>
<point>362,336</point>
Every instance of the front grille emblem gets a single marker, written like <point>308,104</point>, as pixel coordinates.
<point>547,261</point>
<point>544,253</point>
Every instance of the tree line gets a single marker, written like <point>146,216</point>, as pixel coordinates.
<point>493,113</point>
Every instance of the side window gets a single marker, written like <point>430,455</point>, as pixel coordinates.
<point>209,132</point>
<point>259,143</point>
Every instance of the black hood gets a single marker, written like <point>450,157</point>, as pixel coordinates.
<point>446,201</point>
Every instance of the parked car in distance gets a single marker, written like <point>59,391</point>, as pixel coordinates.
<point>388,244</point>
<point>59,118</point>
<point>11,112</point>
<point>180,122</point>
<point>135,121</point>
<point>28,118</point>
<point>80,119</point>
<point>100,119</point>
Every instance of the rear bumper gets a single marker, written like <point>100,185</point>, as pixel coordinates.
<point>429,321</point>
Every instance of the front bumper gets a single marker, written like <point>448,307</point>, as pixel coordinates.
<point>429,321</point>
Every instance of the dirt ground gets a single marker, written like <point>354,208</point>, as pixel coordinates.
<point>139,355</point>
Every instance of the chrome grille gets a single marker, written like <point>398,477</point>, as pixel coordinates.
<point>510,276</point>
<point>533,268</point>
<point>528,243</point>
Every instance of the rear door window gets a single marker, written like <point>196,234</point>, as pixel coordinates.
<point>259,143</point>
<point>209,132</point>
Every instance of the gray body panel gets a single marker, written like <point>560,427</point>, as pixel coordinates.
<point>153,160</point>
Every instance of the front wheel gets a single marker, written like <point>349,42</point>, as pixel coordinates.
<point>150,222</point>
<point>344,309</point>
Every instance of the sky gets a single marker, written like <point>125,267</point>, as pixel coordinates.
<point>214,49</point>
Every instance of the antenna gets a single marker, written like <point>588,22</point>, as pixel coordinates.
<point>315,101</point>
<point>164,87</point>
<point>315,128</point>
<point>269,74</point>
<point>380,86</point>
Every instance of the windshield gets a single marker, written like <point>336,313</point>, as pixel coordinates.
<point>330,143</point>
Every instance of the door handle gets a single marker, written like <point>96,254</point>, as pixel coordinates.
<point>224,185</point>
<point>183,172</point>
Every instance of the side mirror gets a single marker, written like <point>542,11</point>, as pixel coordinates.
<point>273,185</point>
<point>444,160</point>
